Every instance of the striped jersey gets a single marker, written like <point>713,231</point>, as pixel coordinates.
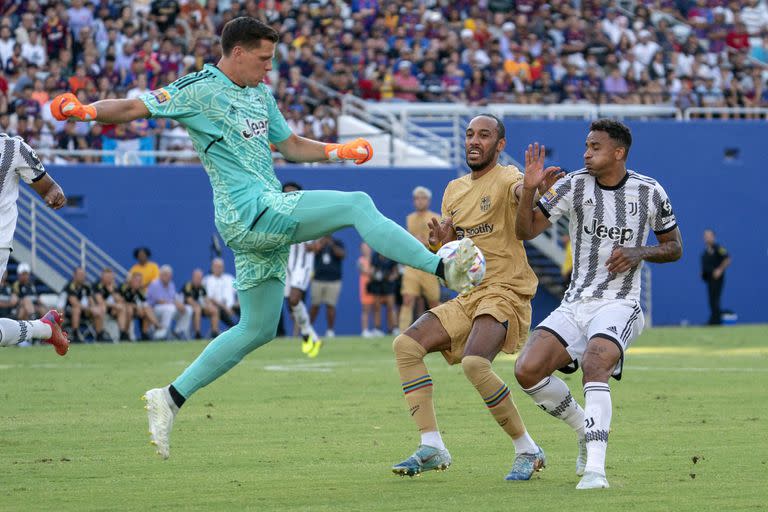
<point>300,259</point>
<point>17,161</point>
<point>601,219</point>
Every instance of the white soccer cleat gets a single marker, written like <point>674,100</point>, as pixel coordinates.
<point>457,269</point>
<point>581,458</point>
<point>160,417</point>
<point>593,480</point>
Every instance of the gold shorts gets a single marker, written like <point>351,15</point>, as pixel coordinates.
<point>418,283</point>
<point>499,301</point>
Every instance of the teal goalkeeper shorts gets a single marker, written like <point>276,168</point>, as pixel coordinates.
<point>261,248</point>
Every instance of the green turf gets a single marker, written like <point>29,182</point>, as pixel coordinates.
<point>282,432</point>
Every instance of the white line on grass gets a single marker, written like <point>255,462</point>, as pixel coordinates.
<point>684,369</point>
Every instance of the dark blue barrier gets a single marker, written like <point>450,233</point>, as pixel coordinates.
<point>710,170</point>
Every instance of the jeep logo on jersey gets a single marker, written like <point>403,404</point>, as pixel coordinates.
<point>474,231</point>
<point>255,128</point>
<point>622,235</point>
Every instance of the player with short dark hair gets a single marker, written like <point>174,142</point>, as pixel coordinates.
<point>494,317</point>
<point>611,210</point>
<point>233,120</point>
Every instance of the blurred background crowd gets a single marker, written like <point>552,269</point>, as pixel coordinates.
<point>684,53</point>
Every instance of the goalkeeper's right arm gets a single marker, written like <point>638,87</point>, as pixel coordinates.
<point>67,106</point>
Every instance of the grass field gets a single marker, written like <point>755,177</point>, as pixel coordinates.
<point>281,432</point>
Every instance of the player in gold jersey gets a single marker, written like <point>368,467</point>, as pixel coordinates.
<point>473,328</point>
<point>415,282</point>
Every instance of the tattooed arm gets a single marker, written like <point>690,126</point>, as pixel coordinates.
<point>670,249</point>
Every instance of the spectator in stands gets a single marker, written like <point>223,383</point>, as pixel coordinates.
<point>760,52</point>
<point>79,306</point>
<point>220,287</point>
<point>196,297</point>
<point>754,15</point>
<point>109,301</point>
<point>326,284</point>
<point>29,306</point>
<point>137,307</point>
<point>148,269</point>
<point>384,275</point>
<point>710,95</point>
<point>162,297</point>
<point>7,43</point>
<point>406,85</point>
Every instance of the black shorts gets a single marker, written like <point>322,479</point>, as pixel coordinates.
<point>381,287</point>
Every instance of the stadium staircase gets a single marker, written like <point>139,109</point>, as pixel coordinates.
<point>54,257</point>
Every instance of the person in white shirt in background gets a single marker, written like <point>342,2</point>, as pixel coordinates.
<point>220,288</point>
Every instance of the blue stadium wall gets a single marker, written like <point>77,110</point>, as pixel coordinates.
<point>712,171</point>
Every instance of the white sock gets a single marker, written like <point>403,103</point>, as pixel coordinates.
<point>13,332</point>
<point>433,439</point>
<point>525,444</point>
<point>300,316</point>
<point>553,395</point>
<point>597,409</point>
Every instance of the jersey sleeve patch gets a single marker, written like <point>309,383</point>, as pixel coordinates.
<point>161,95</point>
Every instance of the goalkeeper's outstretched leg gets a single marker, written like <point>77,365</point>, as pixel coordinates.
<point>322,212</point>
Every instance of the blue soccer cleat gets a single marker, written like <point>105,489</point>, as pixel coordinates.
<point>426,458</point>
<point>526,464</point>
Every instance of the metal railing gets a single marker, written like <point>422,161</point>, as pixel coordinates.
<point>758,113</point>
<point>53,247</point>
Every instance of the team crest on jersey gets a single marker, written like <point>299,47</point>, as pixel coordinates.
<point>485,203</point>
<point>161,95</point>
<point>255,128</point>
<point>632,208</point>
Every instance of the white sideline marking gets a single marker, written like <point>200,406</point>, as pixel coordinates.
<point>322,367</point>
<point>695,370</point>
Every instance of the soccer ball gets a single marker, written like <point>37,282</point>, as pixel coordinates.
<point>476,271</point>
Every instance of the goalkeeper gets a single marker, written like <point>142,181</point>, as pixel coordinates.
<point>232,118</point>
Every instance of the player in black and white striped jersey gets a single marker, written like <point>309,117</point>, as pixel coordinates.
<point>301,265</point>
<point>612,210</point>
<point>18,162</point>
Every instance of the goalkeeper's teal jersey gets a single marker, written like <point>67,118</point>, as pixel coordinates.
<point>231,129</point>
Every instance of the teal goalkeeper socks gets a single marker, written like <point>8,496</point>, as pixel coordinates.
<point>260,311</point>
<point>322,212</point>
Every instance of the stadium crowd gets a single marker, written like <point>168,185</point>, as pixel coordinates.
<point>685,53</point>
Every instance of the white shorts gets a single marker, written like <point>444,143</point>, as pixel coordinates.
<point>575,323</point>
<point>301,265</point>
<point>298,278</point>
<point>4,255</point>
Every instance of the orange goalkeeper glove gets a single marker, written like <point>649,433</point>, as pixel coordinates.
<point>359,150</point>
<point>67,105</point>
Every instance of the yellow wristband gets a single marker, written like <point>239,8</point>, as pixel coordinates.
<point>434,248</point>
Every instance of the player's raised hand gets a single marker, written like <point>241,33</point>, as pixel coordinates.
<point>551,175</point>
<point>66,106</point>
<point>440,232</point>
<point>536,176</point>
<point>359,150</point>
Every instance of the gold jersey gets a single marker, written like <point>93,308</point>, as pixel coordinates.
<point>417,224</point>
<point>485,209</point>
